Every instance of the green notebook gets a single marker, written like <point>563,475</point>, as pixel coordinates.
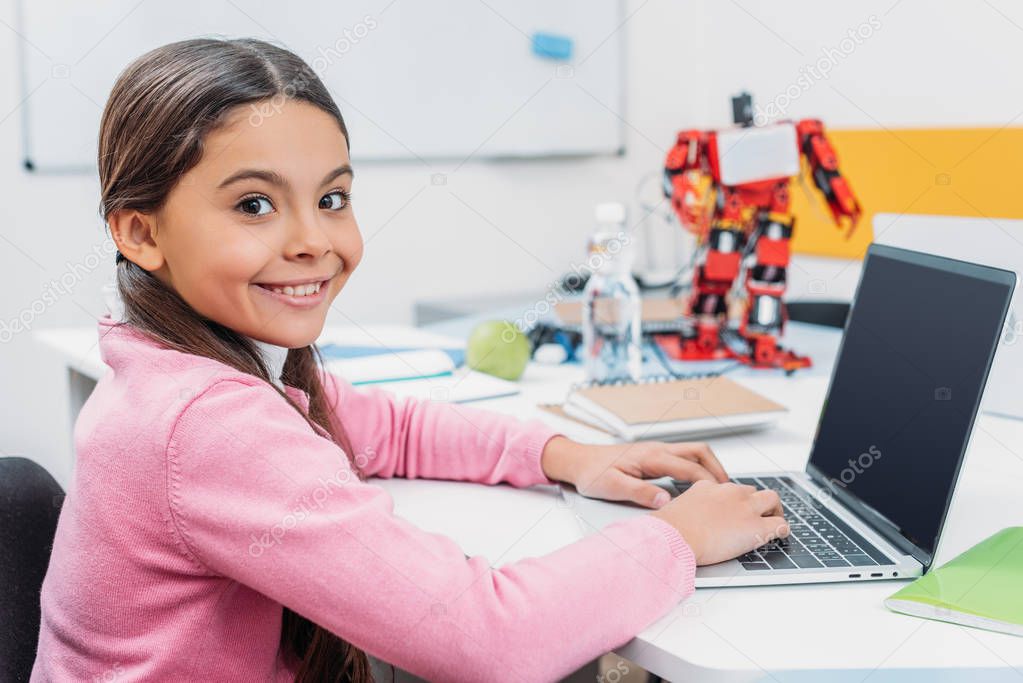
<point>983,587</point>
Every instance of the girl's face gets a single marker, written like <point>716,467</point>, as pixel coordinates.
<point>260,236</point>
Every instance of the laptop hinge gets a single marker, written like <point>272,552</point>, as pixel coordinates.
<point>875,520</point>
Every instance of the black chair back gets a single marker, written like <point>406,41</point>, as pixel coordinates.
<point>30,502</point>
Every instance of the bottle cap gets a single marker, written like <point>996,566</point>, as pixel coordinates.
<point>610,212</point>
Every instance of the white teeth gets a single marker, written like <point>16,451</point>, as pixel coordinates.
<point>298,290</point>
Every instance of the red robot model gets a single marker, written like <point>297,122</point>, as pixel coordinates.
<point>731,189</point>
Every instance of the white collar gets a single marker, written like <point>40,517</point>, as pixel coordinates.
<point>274,357</point>
<point>112,298</point>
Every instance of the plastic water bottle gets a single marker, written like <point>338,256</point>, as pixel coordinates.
<point>612,332</point>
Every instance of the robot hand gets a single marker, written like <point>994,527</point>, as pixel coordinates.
<point>823,163</point>
<point>689,193</point>
<point>687,181</point>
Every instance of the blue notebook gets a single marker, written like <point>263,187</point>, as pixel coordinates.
<point>424,373</point>
<point>339,352</point>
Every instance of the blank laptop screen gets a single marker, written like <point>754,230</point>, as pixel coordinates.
<point>907,383</point>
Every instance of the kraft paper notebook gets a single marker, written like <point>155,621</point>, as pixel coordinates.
<point>672,408</point>
<point>657,314</point>
<point>983,587</point>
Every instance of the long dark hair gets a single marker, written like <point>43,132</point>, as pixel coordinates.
<point>160,110</point>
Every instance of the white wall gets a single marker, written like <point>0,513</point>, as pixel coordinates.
<point>517,225</point>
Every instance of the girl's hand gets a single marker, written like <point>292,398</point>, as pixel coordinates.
<point>616,472</point>
<point>722,521</point>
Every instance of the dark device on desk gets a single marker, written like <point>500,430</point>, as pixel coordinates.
<point>894,430</point>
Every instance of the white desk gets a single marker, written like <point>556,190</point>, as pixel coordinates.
<point>836,632</point>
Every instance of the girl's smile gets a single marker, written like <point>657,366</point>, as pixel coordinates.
<point>303,293</point>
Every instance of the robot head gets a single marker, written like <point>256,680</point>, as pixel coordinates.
<point>742,109</point>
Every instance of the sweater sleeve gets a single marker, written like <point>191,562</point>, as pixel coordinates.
<point>410,438</point>
<point>257,496</point>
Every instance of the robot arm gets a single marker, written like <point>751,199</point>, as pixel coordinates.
<point>820,155</point>
<point>687,182</point>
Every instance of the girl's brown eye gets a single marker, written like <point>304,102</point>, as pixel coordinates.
<point>255,206</point>
<point>335,201</point>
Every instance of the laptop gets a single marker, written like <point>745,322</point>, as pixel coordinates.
<point>991,242</point>
<point>891,438</point>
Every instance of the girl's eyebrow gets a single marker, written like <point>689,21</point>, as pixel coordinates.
<point>275,178</point>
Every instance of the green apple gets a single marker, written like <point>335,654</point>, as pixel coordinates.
<point>498,348</point>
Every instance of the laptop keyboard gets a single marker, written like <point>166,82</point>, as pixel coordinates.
<point>818,538</point>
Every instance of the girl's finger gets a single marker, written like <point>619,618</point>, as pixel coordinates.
<point>662,464</point>
<point>774,527</point>
<point>702,453</point>
<point>766,503</point>
<point>617,485</point>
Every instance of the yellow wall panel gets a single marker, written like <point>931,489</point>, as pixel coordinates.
<point>961,172</point>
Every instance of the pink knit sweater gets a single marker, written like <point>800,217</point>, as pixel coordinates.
<point>202,503</point>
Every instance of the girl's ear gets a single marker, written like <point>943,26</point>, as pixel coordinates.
<point>133,233</point>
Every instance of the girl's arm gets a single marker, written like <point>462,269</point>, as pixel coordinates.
<point>405,437</point>
<point>256,496</point>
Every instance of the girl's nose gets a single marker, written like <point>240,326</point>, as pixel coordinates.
<point>306,239</point>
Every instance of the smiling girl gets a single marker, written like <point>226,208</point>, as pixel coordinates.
<point>222,523</point>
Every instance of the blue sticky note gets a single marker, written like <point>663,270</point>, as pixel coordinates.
<point>552,46</point>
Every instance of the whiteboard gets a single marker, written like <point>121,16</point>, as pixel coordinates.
<point>450,79</point>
